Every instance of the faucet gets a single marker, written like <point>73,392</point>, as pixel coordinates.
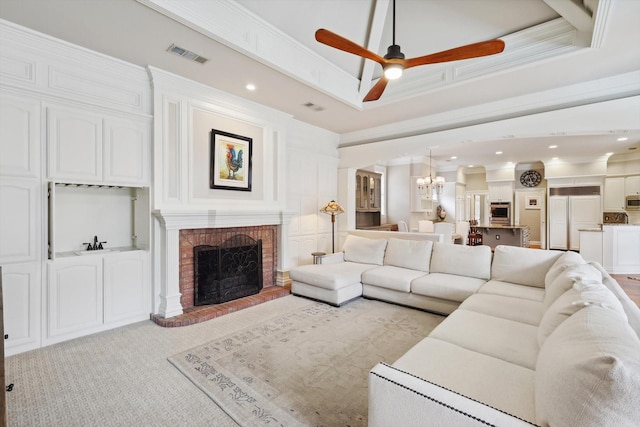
<point>96,244</point>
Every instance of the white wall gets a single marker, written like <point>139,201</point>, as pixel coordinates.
<point>312,181</point>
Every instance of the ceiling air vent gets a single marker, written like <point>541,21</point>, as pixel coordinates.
<point>312,106</point>
<point>187,54</point>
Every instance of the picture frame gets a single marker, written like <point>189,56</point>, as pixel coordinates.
<point>230,161</point>
<point>532,202</point>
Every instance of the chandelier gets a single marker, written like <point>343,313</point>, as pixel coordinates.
<point>427,184</point>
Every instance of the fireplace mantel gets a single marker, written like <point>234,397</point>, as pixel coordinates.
<point>216,218</point>
<point>167,253</point>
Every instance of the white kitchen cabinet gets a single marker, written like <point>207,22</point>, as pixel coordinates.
<point>93,148</point>
<point>126,286</point>
<point>501,191</point>
<point>621,249</point>
<point>591,245</point>
<point>74,299</point>
<point>632,185</point>
<point>614,194</point>
<point>21,288</point>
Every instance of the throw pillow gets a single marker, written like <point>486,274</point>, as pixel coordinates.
<point>588,372</point>
<point>522,266</point>
<point>363,250</point>
<point>411,254</point>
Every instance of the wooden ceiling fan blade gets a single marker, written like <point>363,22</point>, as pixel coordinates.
<point>337,41</point>
<point>376,91</point>
<point>475,50</point>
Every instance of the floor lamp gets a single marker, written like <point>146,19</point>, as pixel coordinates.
<point>332,208</point>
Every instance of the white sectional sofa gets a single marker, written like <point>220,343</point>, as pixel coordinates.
<point>533,337</point>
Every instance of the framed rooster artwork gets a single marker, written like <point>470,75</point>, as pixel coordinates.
<point>230,161</point>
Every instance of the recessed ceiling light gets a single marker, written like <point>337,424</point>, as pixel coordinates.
<point>454,157</point>
<point>470,166</point>
<point>250,86</point>
<point>553,146</point>
<point>624,138</point>
<point>554,158</point>
<point>498,152</point>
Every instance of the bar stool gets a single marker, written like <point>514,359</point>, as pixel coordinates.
<point>475,237</point>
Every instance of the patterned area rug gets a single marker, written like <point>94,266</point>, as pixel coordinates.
<point>306,367</point>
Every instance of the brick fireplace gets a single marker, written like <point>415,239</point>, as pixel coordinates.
<point>216,236</point>
<point>178,231</point>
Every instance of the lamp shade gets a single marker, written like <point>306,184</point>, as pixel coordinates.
<point>332,208</point>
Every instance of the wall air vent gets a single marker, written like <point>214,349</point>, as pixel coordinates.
<point>187,54</point>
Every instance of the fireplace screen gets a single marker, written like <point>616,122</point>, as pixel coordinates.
<point>229,271</point>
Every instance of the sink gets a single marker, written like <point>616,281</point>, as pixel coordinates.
<point>93,252</point>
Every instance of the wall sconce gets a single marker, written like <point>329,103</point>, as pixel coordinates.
<point>332,208</point>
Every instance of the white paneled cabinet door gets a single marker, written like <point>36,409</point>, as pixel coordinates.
<point>126,287</point>
<point>632,185</point>
<point>21,296</point>
<point>19,226</point>
<point>75,145</point>
<point>75,296</point>
<point>126,152</point>
<point>558,222</point>
<point>19,137</point>
<point>614,194</point>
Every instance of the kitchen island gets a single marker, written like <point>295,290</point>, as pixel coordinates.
<point>510,235</point>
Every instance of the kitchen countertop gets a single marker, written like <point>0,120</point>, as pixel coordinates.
<point>506,227</point>
<point>597,230</point>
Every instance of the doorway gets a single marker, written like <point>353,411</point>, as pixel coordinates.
<point>530,209</point>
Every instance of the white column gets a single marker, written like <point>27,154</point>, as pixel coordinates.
<point>170,273</point>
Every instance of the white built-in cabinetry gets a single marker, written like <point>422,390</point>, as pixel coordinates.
<point>94,292</point>
<point>614,192</point>
<point>21,248</point>
<point>89,147</point>
<point>501,191</point>
<point>632,185</point>
<point>85,126</point>
<point>621,248</point>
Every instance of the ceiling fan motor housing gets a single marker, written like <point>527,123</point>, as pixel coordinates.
<point>393,52</point>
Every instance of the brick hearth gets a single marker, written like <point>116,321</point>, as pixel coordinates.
<point>197,314</point>
<point>189,238</point>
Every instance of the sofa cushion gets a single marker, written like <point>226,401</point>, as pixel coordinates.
<point>497,383</point>
<point>470,261</point>
<point>513,342</point>
<point>330,276</point>
<point>576,273</point>
<point>412,254</point>
<point>577,297</point>
<point>390,277</point>
<point>446,286</point>
<point>363,250</point>
<point>496,287</point>
<point>522,266</point>
<point>588,372</point>
<point>565,260</point>
<point>516,309</point>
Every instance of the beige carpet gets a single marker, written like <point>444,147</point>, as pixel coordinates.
<point>305,367</point>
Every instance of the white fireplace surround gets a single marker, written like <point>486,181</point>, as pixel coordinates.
<point>167,242</point>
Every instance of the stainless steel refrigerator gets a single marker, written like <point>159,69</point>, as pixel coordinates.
<point>572,209</point>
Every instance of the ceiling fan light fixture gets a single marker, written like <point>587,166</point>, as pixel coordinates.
<point>393,71</point>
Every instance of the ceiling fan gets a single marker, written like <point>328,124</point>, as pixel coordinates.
<point>393,63</point>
